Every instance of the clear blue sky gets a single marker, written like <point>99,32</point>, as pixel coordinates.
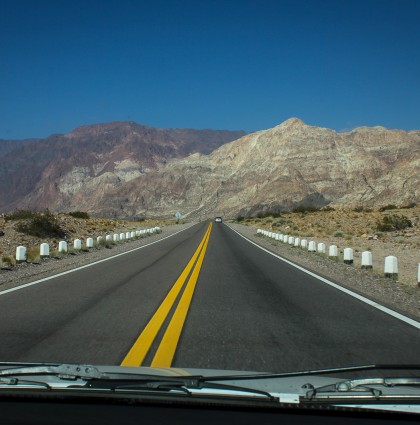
<point>219,64</point>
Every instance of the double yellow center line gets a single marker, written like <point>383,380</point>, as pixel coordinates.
<point>166,350</point>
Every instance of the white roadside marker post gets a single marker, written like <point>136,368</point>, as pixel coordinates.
<point>44,250</point>
<point>89,243</point>
<point>367,260</point>
<point>312,246</point>
<point>333,252</point>
<point>391,267</point>
<point>321,248</point>
<point>348,256</point>
<point>20,254</point>
<point>62,246</point>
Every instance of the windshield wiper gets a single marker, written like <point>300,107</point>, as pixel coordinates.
<point>90,377</point>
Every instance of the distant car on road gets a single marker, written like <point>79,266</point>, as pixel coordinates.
<point>218,219</point>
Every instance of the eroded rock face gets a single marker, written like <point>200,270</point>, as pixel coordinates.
<point>290,164</point>
<point>279,168</point>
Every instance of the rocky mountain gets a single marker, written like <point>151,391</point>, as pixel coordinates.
<point>283,167</point>
<point>57,171</point>
<point>275,169</point>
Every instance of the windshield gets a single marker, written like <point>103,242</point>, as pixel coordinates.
<point>225,186</point>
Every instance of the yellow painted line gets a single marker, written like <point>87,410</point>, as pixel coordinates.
<point>143,343</point>
<point>166,351</point>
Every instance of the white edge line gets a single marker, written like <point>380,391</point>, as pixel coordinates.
<point>17,288</point>
<point>340,288</point>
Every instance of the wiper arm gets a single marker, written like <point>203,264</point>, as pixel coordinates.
<point>359,386</point>
<point>22,383</point>
<point>63,371</point>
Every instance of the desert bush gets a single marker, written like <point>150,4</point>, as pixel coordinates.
<point>304,209</point>
<point>240,218</point>
<point>408,206</point>
<point>41,225</point>
<point>362,209</point>
<point>79,214</point>
<point>20,215</point>
<point>394,222</point>
<point>7,259</point>
<point>388,207</point>
<point>339,234</point>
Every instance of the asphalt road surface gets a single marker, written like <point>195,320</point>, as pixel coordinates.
<point>203,298</point>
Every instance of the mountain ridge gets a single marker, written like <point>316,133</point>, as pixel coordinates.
<point>276,169</point>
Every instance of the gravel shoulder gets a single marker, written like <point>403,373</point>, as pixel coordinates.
<point>28,272</point>
<point>402,298</point>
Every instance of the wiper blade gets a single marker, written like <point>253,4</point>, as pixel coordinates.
<point>189,385</point>
<point>313,372</point>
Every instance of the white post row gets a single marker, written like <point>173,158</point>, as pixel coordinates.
<point>44,248</point>
<point>391,267</point>
<point>122,236</point>
<point>390,264</point>
<point>20,254</point>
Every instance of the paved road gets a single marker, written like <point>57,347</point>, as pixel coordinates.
<point>241,309</point>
